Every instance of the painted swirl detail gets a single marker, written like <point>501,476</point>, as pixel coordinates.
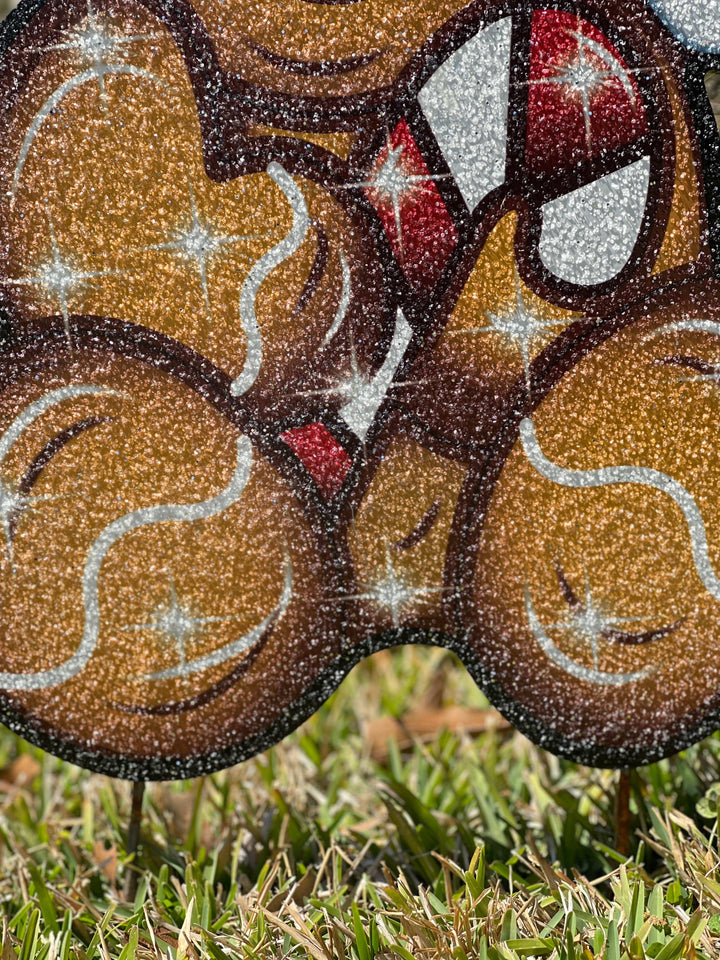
<point>166,513</point>
<point>643,476</point>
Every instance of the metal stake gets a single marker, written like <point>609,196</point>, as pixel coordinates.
<point>133,839</point>
<point>622,814</point>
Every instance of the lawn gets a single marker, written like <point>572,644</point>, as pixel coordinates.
<point>355,838</point>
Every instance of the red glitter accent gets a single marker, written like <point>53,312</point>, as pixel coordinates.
<point>557,129</point>
<point>324,458</point>
<point>428,234</point>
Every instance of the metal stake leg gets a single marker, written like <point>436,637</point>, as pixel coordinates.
<point>133,839</point>
<point>622,814</point>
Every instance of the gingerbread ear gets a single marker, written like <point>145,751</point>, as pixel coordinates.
<point>324,333</point>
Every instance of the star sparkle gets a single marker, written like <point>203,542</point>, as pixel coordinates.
<point>59,280</point>
<point>97,47</point>
<point>357,389</point>
<point>587,74</point>
<point>520,326</point>
<point>393,183</point>
<point>392,593</point>
<point>177,623</point>
<point>590,622</point>
<point>198,242</point>
<point>364,395</point>
<point>584,79</point>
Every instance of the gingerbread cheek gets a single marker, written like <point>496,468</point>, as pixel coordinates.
<point>168,566</point>
<point>592,591</point>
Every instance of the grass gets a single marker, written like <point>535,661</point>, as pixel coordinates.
<point>458,847</point>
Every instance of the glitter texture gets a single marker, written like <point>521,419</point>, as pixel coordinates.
<point>328,327</point>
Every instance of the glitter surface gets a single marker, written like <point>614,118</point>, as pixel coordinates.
<point>327,327</point>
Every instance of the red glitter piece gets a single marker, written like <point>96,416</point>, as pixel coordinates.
<point>324,458</point>
<point>426,235</point>
<point>571,116</point>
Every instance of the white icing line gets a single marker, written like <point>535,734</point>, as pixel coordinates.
<point>345,295</point>
<point>36,409</point>
<point>362,409</point>
<point>643,476</point>
<point>58,95</point>
<point>278,254</point>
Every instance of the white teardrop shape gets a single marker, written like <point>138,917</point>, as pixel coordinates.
<point>588,235</point>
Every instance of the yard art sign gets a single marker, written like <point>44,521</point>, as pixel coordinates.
<point>328,326</point>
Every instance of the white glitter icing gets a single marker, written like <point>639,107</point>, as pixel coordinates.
<point>643,476</point>
<point>278,254</point>
<point>589,234</point>
<point>466,104</point>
